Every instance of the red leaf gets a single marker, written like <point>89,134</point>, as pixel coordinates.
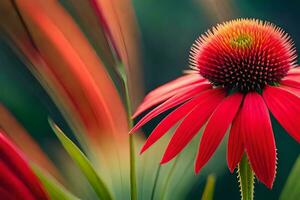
<point>13,164</point>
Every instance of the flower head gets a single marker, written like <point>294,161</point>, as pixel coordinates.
<point>243,54</point>
<point>241,70</point>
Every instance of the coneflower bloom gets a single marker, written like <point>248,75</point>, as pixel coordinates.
<point>241,70</point>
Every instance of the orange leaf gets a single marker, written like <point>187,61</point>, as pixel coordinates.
<point>75,64</point>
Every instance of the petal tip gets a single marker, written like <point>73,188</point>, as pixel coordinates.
<point>231,169</point>
<point>164,160</point>
<point>269,183</point>
<point>197,169</point>
<point>143,149</point>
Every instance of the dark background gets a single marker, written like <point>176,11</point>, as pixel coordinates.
<point>168,29</point>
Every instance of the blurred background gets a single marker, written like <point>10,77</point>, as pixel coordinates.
<point>167,28</point>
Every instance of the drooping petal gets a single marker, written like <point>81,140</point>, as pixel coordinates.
<point>285,106</point>
<point>235,146</point>
<point>193,122</point>
<point>12,159</point>
<point>178,83</point>
<point>216,128</point>
<point>166,91</point>
<point>258,138</point>
<point>168,122</point>
<point>172,102</point>
<point>171,120</point>
<point>148,103</point>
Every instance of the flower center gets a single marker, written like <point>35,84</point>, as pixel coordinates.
<point>244,55</point>
<point>241,41</point>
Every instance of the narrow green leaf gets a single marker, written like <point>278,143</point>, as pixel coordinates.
<point>83,163</point>
<point>291,190</point>
<point>209,189</point>
<point>246,179</point>
<point>55,190</point>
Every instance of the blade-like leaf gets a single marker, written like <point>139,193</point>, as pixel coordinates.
<point>291,189</point>
<point>53,187</point>
<point>209,188</point>
<point>83,163</point>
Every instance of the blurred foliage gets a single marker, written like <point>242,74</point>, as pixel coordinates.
<point>83,163</point>
<point>54,188</point>
<point>291,189</point>
<point>208,192</point>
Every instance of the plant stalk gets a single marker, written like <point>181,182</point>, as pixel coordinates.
<point>133,184</point>
<point>246,179</point>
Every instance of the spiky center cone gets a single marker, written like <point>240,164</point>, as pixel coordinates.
<point>244,55</point>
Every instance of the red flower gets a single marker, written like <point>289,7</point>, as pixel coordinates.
<point>17,181</point>
<point>241,70</point>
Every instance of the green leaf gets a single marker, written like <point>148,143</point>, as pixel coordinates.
<point>246,179</point>
<point>83,163</point>
<point>53,187</point>
<point>291,190</point>
<point>209,189</point>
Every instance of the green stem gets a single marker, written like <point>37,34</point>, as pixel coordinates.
<point>133,184</point>
<point>246,179</point>
<point>155,182</point>
<point>209,189</point>
<point>166,183</point>
<point>133,187</point>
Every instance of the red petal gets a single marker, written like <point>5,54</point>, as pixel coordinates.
<point>291,82</point>
<point>6,194</point>
<point>216,128</point>
<point>170,103</point>
<point>175,84</point>
<point>16,163</point>
<point>235,146</point>
<point>258,138</point>
<point>285,106</point>
<point>166,91</point>
<point>294,72</point>
<point>193,122</point>
<point>171,119</point>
